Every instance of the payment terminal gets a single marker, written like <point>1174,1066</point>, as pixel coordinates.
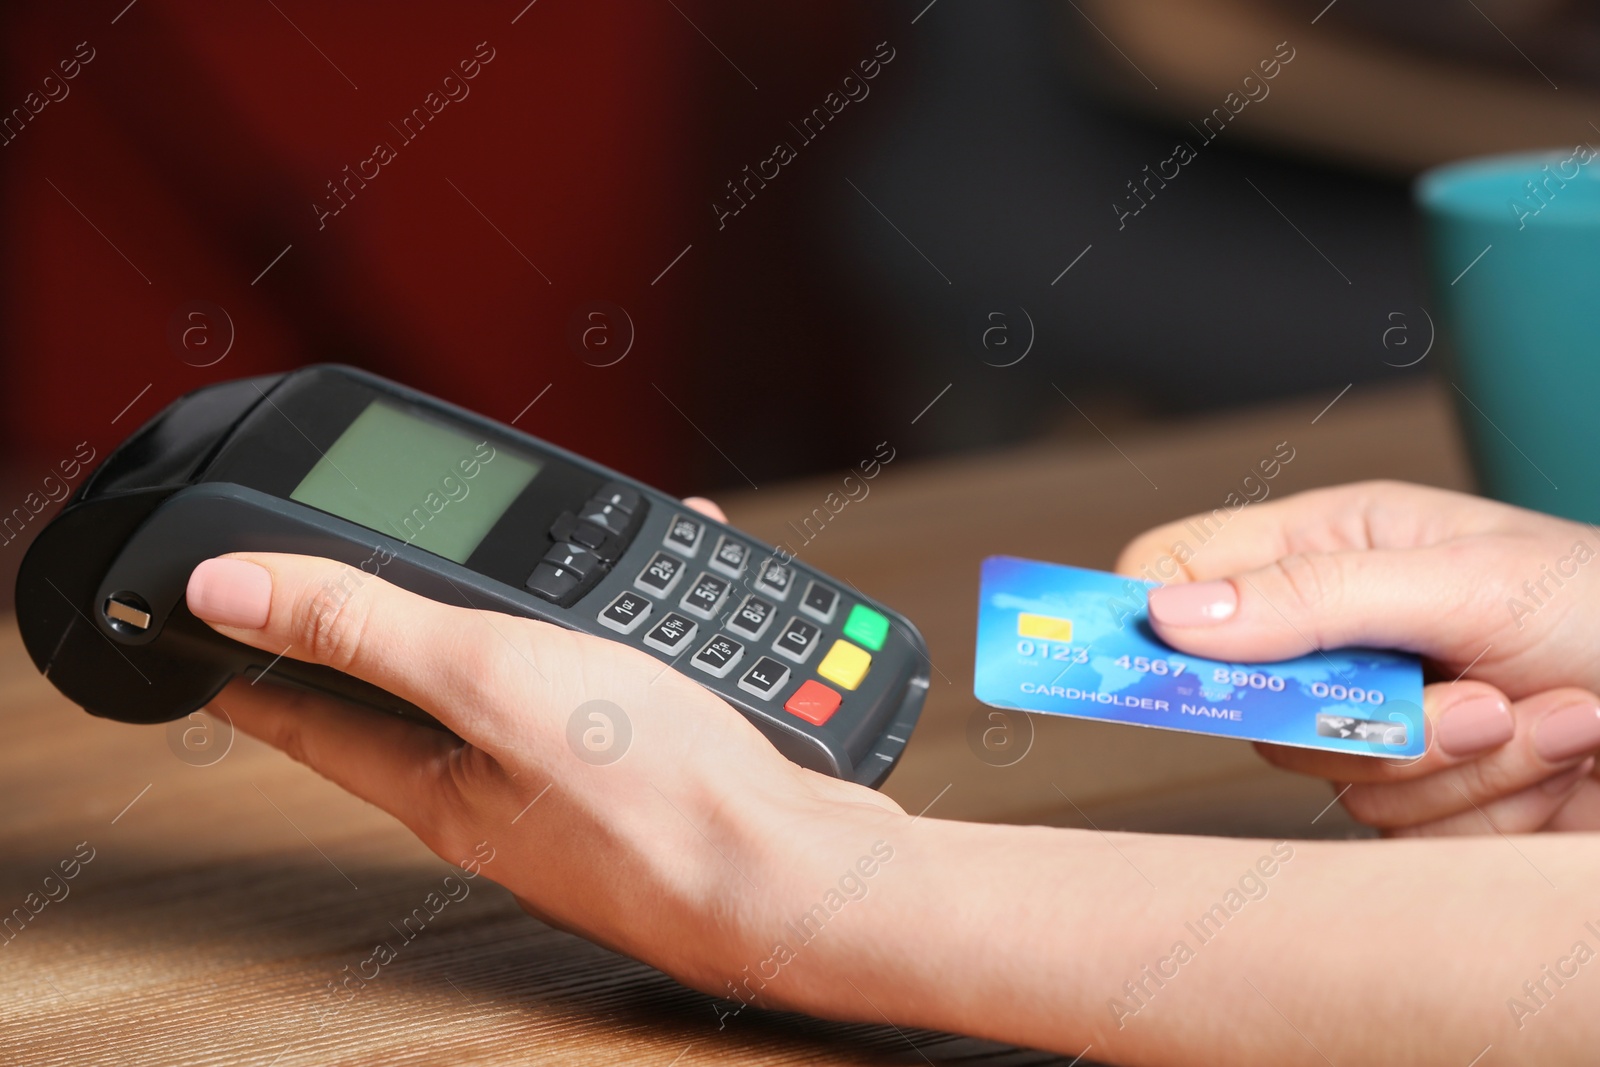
<point>332,461</point>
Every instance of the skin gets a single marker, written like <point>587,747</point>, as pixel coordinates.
<point>1441,574</point>
<point>699,848</point>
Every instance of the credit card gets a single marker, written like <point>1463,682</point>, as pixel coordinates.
<point>1068,641</point>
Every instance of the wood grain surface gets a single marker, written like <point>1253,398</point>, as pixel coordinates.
<point>230,890</point>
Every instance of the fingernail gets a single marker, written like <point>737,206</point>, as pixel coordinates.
<point>231,592</point>
<point>1475,725</point>
<point>1194,603</point>
<point>1564,781</point>
<point>1566,733</point>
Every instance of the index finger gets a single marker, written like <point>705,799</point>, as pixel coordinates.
<point>1231,539</point>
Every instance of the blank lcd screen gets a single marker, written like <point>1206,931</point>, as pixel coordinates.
<point>416,480</point>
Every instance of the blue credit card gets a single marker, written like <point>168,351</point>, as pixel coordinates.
<point>1068,641</point>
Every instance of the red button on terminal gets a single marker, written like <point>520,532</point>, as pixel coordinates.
<point>813,702</point>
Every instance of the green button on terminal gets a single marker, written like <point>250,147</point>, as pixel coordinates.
<point>866,627</point>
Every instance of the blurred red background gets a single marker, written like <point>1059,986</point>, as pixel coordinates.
<point>185,158</point>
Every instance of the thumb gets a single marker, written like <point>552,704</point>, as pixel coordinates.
<point>1408,599</point>
<point>447,660</point>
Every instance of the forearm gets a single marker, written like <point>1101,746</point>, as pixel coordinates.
<point>1157,949</point>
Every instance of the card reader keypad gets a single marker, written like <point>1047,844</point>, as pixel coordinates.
<point>618,496</point>
<point>589,539</point>
<point>587,543</point>
<point>661,574</point>
<point>775,578</point>
<point>608,517</point>
<point>626,612</point>
<point>684,533</point>
<point>552,582</point>
<point>820,602</point>
<point>752,617</point>
<point>574,558</point>
<point>719,656</point>
<point>797,640</point>
<point>727,622</point>
<point>672,634</point>
<point>705,596</point>
<point>765,678</point>
<point>729,556</point>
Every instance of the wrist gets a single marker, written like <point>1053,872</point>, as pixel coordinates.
<point>810,861</point>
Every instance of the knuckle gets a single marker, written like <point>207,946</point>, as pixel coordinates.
<point>463,790</point>
<point>1376,495</point>
<point>1573,694</point>
<point>1382,488</point>
<point>1314,582</point>
<point>291,739</point>
<point>467,773</point>
<point>287,732</point>
<point>329,621</point>
<point>445,825</point>
<point>1372,806</point>
<point>1339,500</point>
<point>1135,554</point>
<point>1157,553</point>
<point>1484,780</point>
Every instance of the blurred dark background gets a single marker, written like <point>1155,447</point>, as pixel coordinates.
<point>962,208</point>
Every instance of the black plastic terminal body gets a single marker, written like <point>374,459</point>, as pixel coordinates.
<point>100,594</point>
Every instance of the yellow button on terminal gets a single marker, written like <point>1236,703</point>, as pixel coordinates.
<point>845,665</point>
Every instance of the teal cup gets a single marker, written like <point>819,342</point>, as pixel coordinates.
<point>1514,249</point>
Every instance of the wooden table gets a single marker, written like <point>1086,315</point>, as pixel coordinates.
<point>223,899</point>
